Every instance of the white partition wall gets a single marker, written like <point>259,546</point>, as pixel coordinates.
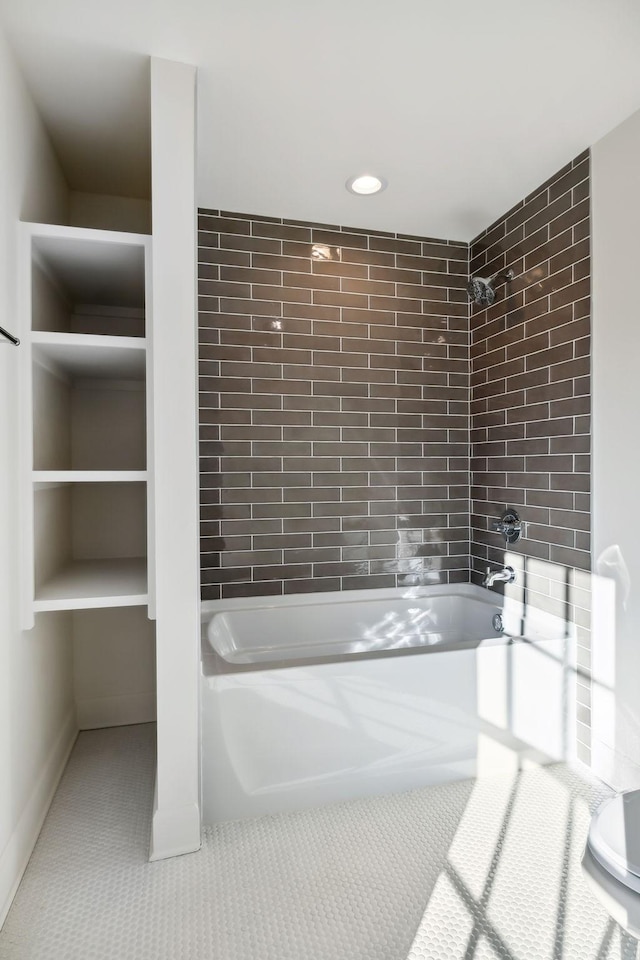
<point>37,714</point>
<point>616,460</point>
<point>176,820</point>
<point>80,447</point>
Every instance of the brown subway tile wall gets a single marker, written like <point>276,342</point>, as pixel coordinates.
<point>530,376</point>
<point>334,408</point>
<point>531,407</point>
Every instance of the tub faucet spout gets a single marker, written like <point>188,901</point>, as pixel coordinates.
<point>506,575</point>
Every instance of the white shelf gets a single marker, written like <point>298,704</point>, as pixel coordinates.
<point>85,584</point>
<point>48,478</point>
<point>91,356</point>
<point>84,306</point>
<point>93,266</point>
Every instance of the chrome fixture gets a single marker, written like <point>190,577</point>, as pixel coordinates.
<point>509,526</point>
<point>482,291</point>
<point>10,337</point>
<point>506,575</point>
<point>497,622</point>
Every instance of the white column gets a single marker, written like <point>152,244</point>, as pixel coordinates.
<point>176,819</point>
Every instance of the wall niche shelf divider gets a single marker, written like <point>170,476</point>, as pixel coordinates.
<point>86,584</point>
<point>91,355</point>
<point>86,497</point>
<point>61,477</point>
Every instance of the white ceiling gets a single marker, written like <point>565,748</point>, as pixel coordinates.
<point>463,106</point>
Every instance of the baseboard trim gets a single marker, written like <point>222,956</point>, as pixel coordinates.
<point>116,711</point>
<point>175,831</point>
<point>15,856</point>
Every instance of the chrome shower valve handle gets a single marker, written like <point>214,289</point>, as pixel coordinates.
<point>509,526</point>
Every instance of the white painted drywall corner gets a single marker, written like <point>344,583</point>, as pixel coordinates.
<point>616,453</point>
<point>102,212</point>
<point>176,818</point>
<point>114,667</point>
<point>37,713</point>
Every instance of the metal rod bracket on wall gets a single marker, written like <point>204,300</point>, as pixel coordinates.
<point>10,337</point>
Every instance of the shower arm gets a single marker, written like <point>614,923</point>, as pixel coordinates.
<point>502,275</point>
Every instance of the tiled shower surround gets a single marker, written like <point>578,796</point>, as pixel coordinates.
<point>530,376</point>
<point>335,388</point>
<point>334,408</point>
<point>531,405</point>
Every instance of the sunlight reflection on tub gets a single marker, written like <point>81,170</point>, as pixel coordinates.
<point>376,728</point>
<point>418,627</point>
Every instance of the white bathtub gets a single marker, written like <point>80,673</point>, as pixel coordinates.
<point>324,697</point>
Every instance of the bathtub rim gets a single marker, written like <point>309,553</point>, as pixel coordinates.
<point>213,664</point>
<point>349,596</point>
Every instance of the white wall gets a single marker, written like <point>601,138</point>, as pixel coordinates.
<point>114,667</point>
<point>176,820</point>
<point>37,714</point>
<point>616,449</point>
<point>109,213</point>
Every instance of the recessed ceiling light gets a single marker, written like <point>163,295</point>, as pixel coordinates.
<point>366,184</point>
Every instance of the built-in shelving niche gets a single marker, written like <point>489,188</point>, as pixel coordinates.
<point>91,287</point>
<point>90,544</point>
<point>89,403</point>
<point>85,461</point>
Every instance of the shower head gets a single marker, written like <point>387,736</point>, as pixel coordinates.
<point>482,291</point>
